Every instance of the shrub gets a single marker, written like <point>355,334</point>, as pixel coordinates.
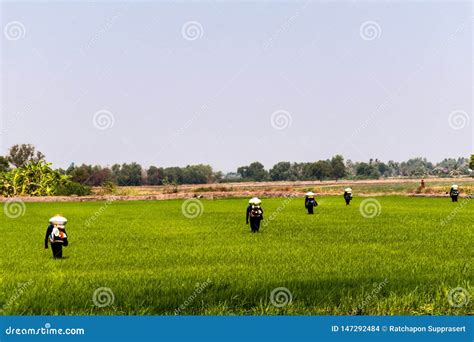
<point>72,188</point>
<point>33,179</point>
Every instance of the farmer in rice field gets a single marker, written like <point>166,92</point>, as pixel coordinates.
<point>348,195</point>
<point>310,202</point>
<point>254,214</point>
<point>56,235</point>
<point>454,193</point>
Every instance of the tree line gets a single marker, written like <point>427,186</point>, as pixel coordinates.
<point>133,174</point>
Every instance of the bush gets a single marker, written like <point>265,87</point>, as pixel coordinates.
<point>33,179</point>
<point>72,188</point>
<point>108,188</point>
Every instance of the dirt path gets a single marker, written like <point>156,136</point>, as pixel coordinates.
<point>262,189</point>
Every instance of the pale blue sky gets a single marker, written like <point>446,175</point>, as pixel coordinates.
<point>178,101</point>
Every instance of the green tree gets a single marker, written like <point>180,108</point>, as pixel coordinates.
<point>4,164</point>
<point>80,174</point>
<point>100,176</point>
<point>452,166</point>
<point>127,174</point>
<point>34,179</point>
<point>154,175</point>
<point>217,176</point>
<point>416,167</point>
<point>255,171</point>
<point>364,170</point>
<point>173,175</point>
<point>471,163</point>
<point>383,168</point>
<point>280,171</point>
<point>394,168</point>
<point>20,155</point>
<point>296,171</point>
<point>318,170</point>
<point>197,174</point>
<point>338,168</point>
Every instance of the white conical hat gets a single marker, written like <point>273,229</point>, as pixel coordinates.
<point>58,219</point>
<point>348,190</point>
<point>310,193</point>
<point>454,186</point>
<point>255,200</point>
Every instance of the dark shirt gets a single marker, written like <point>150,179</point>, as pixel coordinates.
<point>48,234</point>
<point>308,202</point>
<point>249,209</point>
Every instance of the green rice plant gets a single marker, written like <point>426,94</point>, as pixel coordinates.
<point>406,257</point>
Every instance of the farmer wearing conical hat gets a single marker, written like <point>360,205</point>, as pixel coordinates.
<point>56,235</point>
<point>310,202</point>
<point>454,193</point>
<point>348,195</point>
<point>254,214</point>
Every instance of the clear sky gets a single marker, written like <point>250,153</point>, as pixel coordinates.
<point>228,83</point>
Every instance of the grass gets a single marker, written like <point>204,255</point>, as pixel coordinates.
<point>438,188</point>
<point>155,260</point>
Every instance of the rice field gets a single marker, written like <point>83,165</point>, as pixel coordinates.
<point>390,255</point>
